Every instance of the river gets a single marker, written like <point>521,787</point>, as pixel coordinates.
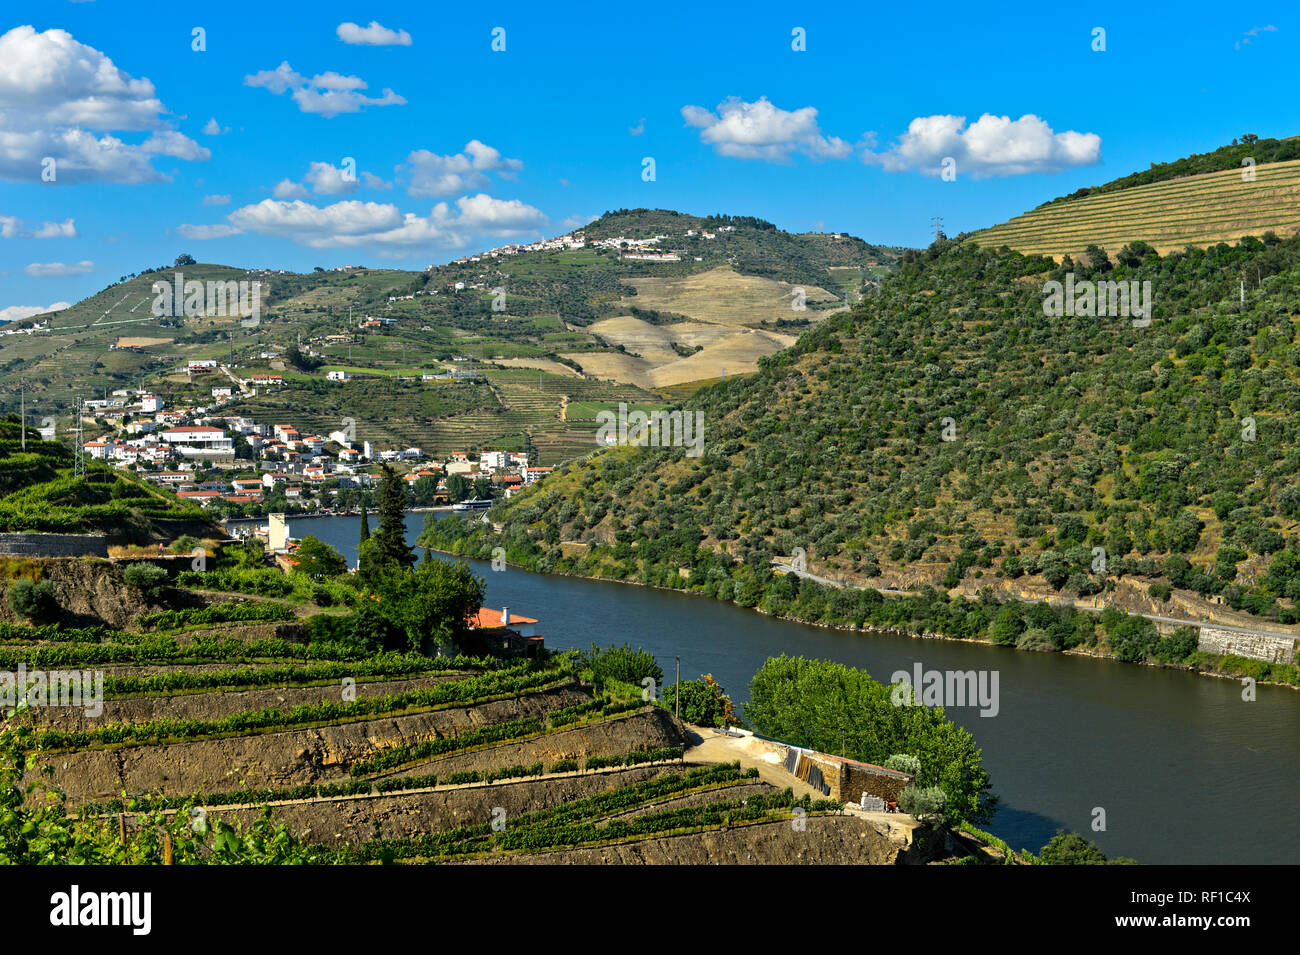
<point>1184,769</point>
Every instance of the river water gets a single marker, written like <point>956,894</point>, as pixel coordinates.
<point>1184,769</point>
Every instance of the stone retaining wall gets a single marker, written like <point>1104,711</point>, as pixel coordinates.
<point>53,545</point>
<point>1256,646</point>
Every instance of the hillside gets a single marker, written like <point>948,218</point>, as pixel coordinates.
<point>1171,214</point>
<point>946,434</point>
<point>1248,147</point>
<point>39,492</point>
<point>578,315</point>
<point>225,711</point>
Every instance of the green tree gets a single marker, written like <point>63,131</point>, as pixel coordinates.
<point>387,550</point>
<point>149,578</point>
<point>317,559</point>
<point>431,605</point>
<point>834,708</point>
<point>1070,848</point>
<point>457,487</point>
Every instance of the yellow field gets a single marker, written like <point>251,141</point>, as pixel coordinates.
<point>723,297</point>
<point>142,342</point>
<point>652,362</point>
<point>1195,210</point>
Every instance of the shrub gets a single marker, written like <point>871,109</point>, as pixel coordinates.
<point>1035,639</point>
<point>148,578</point>
<point>1070,848</point>
<point>927,803</point>
<point>624,664</point>
<point>700,704</point>
<point>36,601</point>
<point>904,763</point>
<point>1161,592</point>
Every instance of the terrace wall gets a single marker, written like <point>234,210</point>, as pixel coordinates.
<point>53,545</point>
<point>1256,646</point>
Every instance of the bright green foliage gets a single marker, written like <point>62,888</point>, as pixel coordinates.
<point>837,709</point>
<point>317,559</point>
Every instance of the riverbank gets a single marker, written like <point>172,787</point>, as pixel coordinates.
<point>1220,666</point>
<point>1067,727</point>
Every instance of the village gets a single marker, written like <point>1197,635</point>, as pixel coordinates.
<point>631,249</point>
<point>236,466</point>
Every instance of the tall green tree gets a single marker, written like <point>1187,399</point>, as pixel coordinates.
<point>387,550</point>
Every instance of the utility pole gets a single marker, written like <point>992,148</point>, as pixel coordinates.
<point>936,223</point>
<point>22,415</point>
<point>677,691</point>
<point>79,452</point>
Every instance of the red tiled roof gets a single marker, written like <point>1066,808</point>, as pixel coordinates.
<point>487,619</point>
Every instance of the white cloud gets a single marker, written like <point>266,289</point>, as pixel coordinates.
<point>352,223</point>
<point>12,227</point>
<point>373,35</point>
<point>1250,35</point>
<point>203,232</point>
<point>67,229</point>
<point>288,189</point>
<point>498,217</point>
<point>59,269</point>
<point>216,200</point>
<point>63,100</point>
<point>325,94</point>
<point>761,130</point>
<point>15,313</point>
<point>991,146</point>
<point>434,175</point>
<point>213,128</point>
<point>326,179</point>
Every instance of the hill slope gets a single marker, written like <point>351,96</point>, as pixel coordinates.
<point>946,433</point>
<point>551,298</point>
<point>1199,210</point>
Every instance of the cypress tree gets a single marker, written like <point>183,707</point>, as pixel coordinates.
<point>365,523</point>
<point>390,538</point>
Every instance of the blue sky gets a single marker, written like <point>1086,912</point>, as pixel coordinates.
<point>160,149</point>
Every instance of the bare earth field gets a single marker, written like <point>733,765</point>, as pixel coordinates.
<point>142,342</point>
<point>724,297</point>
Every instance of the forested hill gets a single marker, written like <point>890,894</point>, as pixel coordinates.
<point>946,431</point>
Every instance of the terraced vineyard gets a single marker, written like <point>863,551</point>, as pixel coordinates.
<point>398,757</point>
<point>1195,210</point>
